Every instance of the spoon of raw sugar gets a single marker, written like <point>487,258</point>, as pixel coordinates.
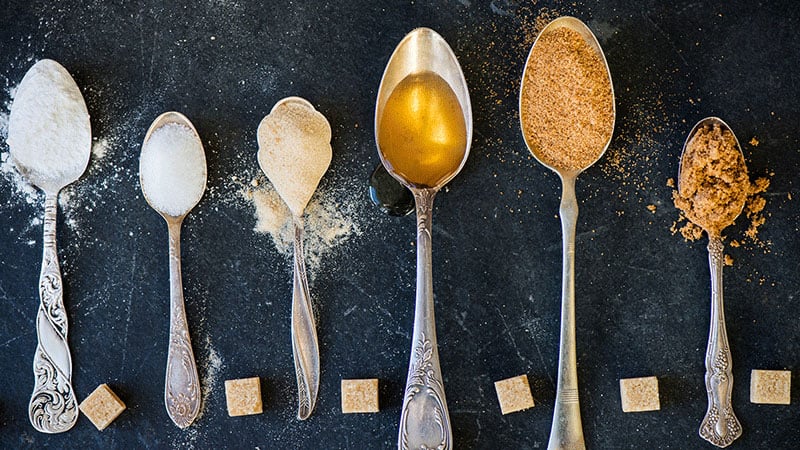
<point>712,191</point>
<point>554,145</point>
<point>294,151</point>
<point>172,172</point>
<point>50,139</point>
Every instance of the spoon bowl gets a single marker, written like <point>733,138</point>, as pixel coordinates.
<point>172,117</point>
<point>424,50</point>
<point>583,30</point>
<point>703,123</point>
<point>425,55</point>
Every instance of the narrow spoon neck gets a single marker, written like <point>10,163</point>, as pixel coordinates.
<point>423,199</point>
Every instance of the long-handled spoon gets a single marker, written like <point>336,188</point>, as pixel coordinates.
<point>294,153</point>
<point>163,178</point>
<point>566,431</point>
<point>720,425</point>
<point>424,55</point>
<point>52,407</point>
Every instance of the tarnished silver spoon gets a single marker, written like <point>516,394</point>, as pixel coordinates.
<point>720,425</point>
<point>566,431</point>
<point>158,174</point>
<point>423,141</point>
<point>294,152</point>
<point>50,141</point>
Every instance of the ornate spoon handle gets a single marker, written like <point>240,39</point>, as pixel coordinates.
<point>305,347</point>
<point>424,421</point>
<point>566,432</point>
<point>181,388</point>
<point>52,408</point>
<point>720,426</point>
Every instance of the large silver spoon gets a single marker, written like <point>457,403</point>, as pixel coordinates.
<point>37,138</point>
<point>566,431</point>
<point>720,425</point>
<point>181,386</point>
<point>295,172</point>
<point>424,421</point>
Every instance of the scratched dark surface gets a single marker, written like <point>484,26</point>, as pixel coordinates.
<point>642,292</point>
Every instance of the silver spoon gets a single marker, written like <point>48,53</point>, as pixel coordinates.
<point>52,408</point>
<point>181,387</point>
<point>424,420</point>
<point>566,431</point>
<point>308,165</point>
<point>720,425</point>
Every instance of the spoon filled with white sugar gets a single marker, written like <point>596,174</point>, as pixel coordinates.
<point>50,139</point>
<point>172,171</point>
<point>294,151</point>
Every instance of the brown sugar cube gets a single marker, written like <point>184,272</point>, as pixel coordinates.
<point>514,394</point>
<point>360,396</point>
<point>639,394</point>
<point>102,406</point>
<point>243,396</point>
<point>770,386</point>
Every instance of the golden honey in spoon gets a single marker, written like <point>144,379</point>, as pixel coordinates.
<point>422,134</point>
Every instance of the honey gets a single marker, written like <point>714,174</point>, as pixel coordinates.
<point>422,135</point>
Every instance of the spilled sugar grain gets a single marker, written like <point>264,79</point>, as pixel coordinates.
<point>329,220</point>
<point>212,367</point>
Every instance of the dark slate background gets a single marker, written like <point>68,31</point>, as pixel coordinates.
<point>642,292</point>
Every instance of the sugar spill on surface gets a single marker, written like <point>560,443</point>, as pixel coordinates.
<point>211,366</point>
<point>330,220</point>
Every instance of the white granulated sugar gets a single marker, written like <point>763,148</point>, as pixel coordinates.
<point>48,129</point>
<point>173,169</point>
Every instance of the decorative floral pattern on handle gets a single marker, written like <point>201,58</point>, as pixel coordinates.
<point>720,426</point>
<point>424,386</point>
<point>52,408</point>
<point>182,388</point>
<point>305,347</point>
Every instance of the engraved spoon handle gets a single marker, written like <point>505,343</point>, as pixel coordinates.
<point>720,426</point>
<point>52,408</point>
<point>566,431</point>
<point>181,387</point>
<point>424,421</point>
<point>305,346</point>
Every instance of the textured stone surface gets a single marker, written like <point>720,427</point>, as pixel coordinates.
<point>642,293</point>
